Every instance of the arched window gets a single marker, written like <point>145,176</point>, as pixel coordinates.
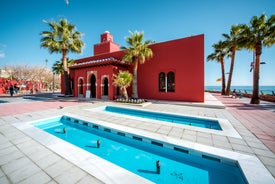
<point>162,82</point>
<point>171,82</point>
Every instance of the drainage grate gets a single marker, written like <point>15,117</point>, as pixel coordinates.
<point>95,126</point>
<point>157,143</point>
<point>121,133</point>
<point>137,138</point>
<point>211,158</point>
<point>181,150</point>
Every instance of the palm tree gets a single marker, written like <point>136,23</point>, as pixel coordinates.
<point>259,33</point>
<point>58,68</point>
<point>123,80</point>
<point>218,55</point>
<point>62,39</point>
<point>232,43</point>
<point>136,53</point>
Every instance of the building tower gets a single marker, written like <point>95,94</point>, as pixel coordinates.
<point>106,44</point>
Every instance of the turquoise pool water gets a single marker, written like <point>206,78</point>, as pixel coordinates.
<point>165,117</point>
<point>137,156</point>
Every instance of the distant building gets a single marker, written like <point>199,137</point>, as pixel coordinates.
<point>176,71</point>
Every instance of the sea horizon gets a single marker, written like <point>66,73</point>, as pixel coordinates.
<point>245,88</point>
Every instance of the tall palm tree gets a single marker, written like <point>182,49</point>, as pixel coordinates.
<point>220,51</point>
<point>259,33</point>
<point>136,53</point>
<point>232,42</point>
<point>62,38</point>
<point>58,68</point>
<point>123,80</point>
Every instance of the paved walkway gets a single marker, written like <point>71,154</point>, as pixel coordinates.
<point>24,160</point>
<point>259,119</point>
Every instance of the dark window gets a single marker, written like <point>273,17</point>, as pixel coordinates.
<point>106,88</point>
<point>162,84</point>
<point>72,83</point>
<point>170,82</point>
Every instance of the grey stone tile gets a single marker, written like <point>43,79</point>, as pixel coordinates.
<point>4,180</point>
<point>58,168</point>
<point>164,130</point>
<point>39,177</point>
<point>19,140</point>
<point>262,152</point>
<point>48,160</point>
<point>9,119</point>
<point>52,182</point>
<point>13,165</point>
<point>30,147</point>
<point>189,137</point>
<point>223,145</point>
<point>234,140</point>
<point>9,148</point>
<point>40,154</point>
<point>89,179</point>
<point>205,141</point>
<point>257,144</point>
<point>72,175</point>
<point>242,148</point>
<point>9,157</point>
<point>3,139</point>
<point>271,170</point>
<point>5,144</point>
<point>152,128</point>
<point>23,172</point>
<point>1,173</point>
<point>269,161</point>
<point>176,132</point>
<point>190,132</point>
<point>205,135</point>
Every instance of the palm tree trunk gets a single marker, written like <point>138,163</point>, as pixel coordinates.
<point>223,77</point>
<point>134,87</point>
<point>255,95</point>
<point>124,93</point>
<point>66,75</point>
<point>230,71</point>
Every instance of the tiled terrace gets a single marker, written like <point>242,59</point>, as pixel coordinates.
<point>24,160</point>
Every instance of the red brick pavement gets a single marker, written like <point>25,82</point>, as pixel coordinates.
<point>10,109</point>
<point>259,121</point>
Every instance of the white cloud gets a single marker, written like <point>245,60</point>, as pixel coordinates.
<point>2,55</point>
<point>2,50</point>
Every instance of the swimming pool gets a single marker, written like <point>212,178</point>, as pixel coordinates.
<point>139,154</point>
<point>166,117</point>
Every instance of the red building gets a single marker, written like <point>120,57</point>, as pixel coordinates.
<point>176,71</point>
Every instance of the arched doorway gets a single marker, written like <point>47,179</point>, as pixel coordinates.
<point>80,88</point>
<point>105,87</point>
<point>93,86</point>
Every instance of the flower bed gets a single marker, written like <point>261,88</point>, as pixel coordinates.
<point>130,100</point>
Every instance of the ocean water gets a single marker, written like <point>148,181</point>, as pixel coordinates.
<point>248,89</point>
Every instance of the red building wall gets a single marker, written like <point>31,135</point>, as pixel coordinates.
<point>184,57</point>
<point>100,71</point>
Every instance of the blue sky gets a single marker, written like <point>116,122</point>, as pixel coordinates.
<point>161,20</point>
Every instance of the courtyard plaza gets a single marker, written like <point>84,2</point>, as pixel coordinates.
<point>24,160</point>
